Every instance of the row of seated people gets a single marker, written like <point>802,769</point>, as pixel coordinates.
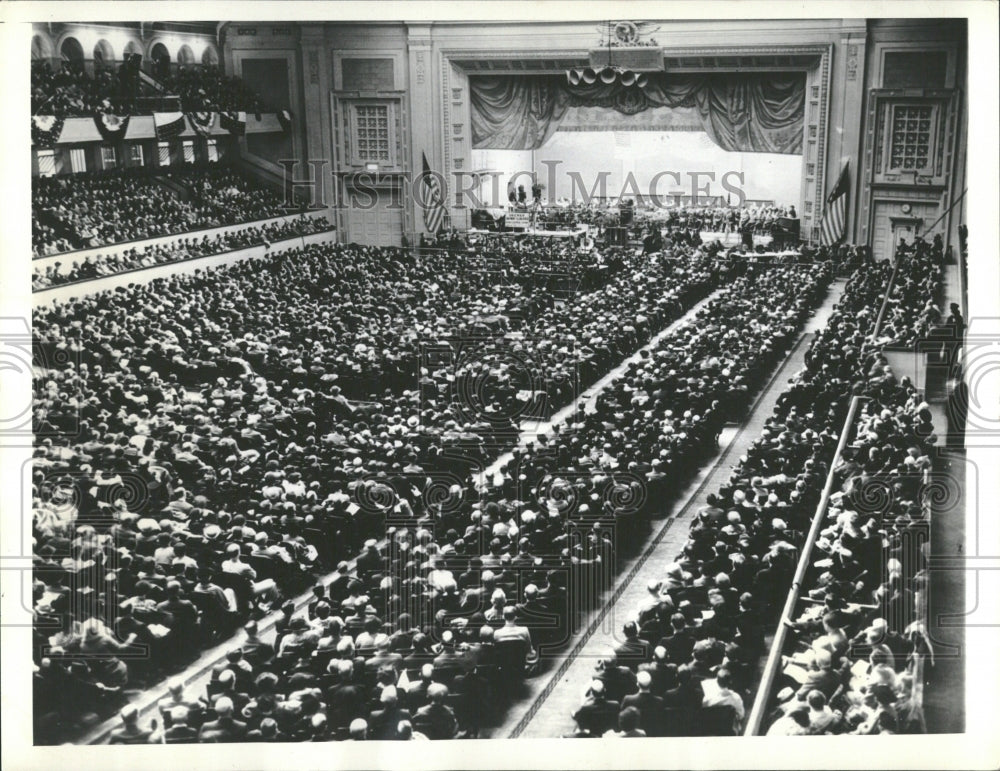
<point>695,642</point>
<point>279,494</point>
<point>101,208</point>
<point>559,266</point>
<point>175,251</point>
<point>72,92</point>
<point>726,219</point>
<point>912,311</point>
<point>325,677</point>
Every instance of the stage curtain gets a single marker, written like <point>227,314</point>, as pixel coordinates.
<point>745,112</point>
<point>754,113</point>
<point>515,112</point>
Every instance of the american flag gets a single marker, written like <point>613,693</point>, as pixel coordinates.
<point>834,221</point>
<point>434,211</point>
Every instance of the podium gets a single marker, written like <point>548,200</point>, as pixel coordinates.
<point>616,236</point>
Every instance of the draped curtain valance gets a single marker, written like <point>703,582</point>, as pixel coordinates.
<point>745,112</point>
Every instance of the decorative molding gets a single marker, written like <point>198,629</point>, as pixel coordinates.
<point>880,188</point>
<point>314,67</point>
<point>852,61</point>
<point>819,191</point>
<point>421,67</point>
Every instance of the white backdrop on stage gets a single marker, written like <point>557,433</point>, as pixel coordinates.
<point>644,154</point>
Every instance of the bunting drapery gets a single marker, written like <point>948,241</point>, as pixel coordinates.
<point>747,112</point>
<point>45,130</point>
<point>233,122</point>
<point>201,122</point>
<point>112,127</point>
<point>168,124</point>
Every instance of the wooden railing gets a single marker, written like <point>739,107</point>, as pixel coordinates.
<point>771,668</point>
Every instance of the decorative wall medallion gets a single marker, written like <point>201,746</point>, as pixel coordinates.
<point>421,68</point>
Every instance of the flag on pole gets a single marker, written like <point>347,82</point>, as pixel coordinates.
<point>433,200</point>
<point>834,222</point>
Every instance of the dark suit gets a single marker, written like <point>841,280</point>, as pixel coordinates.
<point>650,709</point>
<point>180,734</point>
<point>597,717</point>
<point>383,723</point>
<point>439,721</point>
<point>223,730</point>
<point>688,695</point>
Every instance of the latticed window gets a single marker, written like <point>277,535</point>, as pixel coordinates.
<point>911,138</point>
<point>46,163</point>
<point>371,133</point>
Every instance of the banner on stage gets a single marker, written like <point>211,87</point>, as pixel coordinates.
<point>518,219</point>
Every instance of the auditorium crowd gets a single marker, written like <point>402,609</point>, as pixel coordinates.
<point>94,209</point>
<point>73,92</point>
<point>182,249</point>
<point>130,434</point>
<point>912,311</point>
<point>210,444</point>
<point>687,661</point>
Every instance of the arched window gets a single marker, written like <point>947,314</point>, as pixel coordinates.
<point>104,54</point>
<point>159,52</point>
<point>132,49</point>
<point>72,53</point>
<point>41,48</point>
<point>185,55</point>
<point>210,56</point>
<point>161,60</point>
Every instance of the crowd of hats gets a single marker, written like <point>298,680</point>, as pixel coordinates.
<point>182,249</point>
<point>282,470</point>
<point>91,209</point>
<point>72,92</point>
<point>698,637</point>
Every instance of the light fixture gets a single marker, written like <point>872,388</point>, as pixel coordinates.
<point>608,75</point>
